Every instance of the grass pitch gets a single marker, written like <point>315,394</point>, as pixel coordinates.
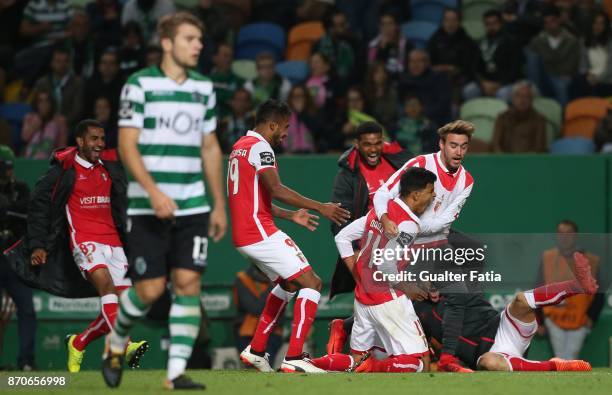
<point>249,382</point>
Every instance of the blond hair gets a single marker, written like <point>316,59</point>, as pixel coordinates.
<point>457,127</point>
<point>169,24</point>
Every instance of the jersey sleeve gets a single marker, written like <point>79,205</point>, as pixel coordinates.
<point>408,231</point>
<point>210,115</point>
<point>344,239</point>
<point>131,106</point>
<point>438,222</point>
<point>262,156</point>
<point>390,189</point>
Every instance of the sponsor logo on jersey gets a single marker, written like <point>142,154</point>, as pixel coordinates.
<point>182,123</point>
<point>267,158</point>
<point>94,200</point>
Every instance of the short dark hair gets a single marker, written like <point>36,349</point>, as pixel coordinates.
<point>570,223</point>
<point>367,128</point>
<point>272,110</point>
<point>415,179</point>
<point>61,51</point>
<point>492,12</point>
<point>84,125</point>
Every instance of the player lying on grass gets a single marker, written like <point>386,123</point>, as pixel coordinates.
<point>497,341</point>
<point>83,191</point>
<point>384,315</point>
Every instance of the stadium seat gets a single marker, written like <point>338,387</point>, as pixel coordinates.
<point>296,71</point>
<point>472,10</point>
<point>573,145</point>
<point>552,111</point>
<point>474,29</point>
<point>482,112</point>
<point>583,115</point>
<point>14,113</point>
<point>244,69</point>
<point>301,39</point>
<point>418,32</point>
<point>260,37</point>
<point>431,10</point>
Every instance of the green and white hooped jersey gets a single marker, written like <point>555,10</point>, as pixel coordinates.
<point>173,119</point>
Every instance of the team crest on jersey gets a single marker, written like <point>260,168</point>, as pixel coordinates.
<point>104,176</point>
<point>267,158</point>
<point>140,265</point>
<point>126,110</point>
<point>405,239</point>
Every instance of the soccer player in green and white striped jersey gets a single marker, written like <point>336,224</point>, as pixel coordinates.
<point>167,141</point>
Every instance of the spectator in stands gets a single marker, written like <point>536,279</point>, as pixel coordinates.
<point>146,13</point>
<point>500,62</point>
<point>603,135</point>
<point>381,95</point>
<point>153,55</point>
<point>595,78</point>
<point>569,323</point>
<point>67,88</point>
<point>523,19</point>
<point>520,128</point>
<point>356,114</point>
<point>238,122</point>
<point>431,87</point>
<point>321,83</point>
<point>303,123</point>
<point>414,132</point>
<point>251,289</point>
<point>14,199</point>
<point>337,47</point>
<point>107,82</point>
<point>81,46</point>
<point>390,46</point>
<point>215,20</point>
<point>268,84</point>
<point>224,79</point>
<point>362,15</point>
<point>553,57</point>
<point>452,51</point>
<point>44,129</point>
<point>103,112</point>
<point>104,16</point>
<point>46,21</point>
<point>132,52</point>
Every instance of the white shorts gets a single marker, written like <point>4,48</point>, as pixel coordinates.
<point>513,336</point>
<point>392,326</point>
<point>277,256</point>
<point>90,256</point>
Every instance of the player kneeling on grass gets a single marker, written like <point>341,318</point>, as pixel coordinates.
<point>252,183</point>
<point>85,190</point>
<point>497,341</point>
<point>384,315</point>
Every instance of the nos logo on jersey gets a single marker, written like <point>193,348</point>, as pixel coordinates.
<point>267,158</point>
<point>405,239</point>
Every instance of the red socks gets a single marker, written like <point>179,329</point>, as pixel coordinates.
<point>101,325</point>
<point>274,308</point>
<point>397,364</point>
<point>334,362</point>
<point>552,294</point>
<point>524,365</point>
<point>304,313</point>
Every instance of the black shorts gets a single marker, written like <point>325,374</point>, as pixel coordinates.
<point>157,246</point>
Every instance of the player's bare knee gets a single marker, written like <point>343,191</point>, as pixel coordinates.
<point>150,291</point>
<point>493,362</point>
<point>186,282</point>
<point>520,309</point>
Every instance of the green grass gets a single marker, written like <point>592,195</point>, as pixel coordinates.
<point>248,382</point>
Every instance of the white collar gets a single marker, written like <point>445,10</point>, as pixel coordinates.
<point>253,133</point>
<point>405,207</point>
<point>443,166</point>
<point>84,163</point>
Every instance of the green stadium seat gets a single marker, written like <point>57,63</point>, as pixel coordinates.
<point>474,29</point>
<point>552,111</point>
<point>472,10</point>
<point>244,68</point>
<point>482,112</point>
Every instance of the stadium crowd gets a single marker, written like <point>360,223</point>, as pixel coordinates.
<point>411,66</point>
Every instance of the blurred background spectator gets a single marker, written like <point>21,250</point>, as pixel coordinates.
<point>520,128</point>
<point>44,129</point>
<point>268,84</point>
<point>240,119</point>
<point>303,122</point>
<point>414,132</point>
<point>224,79</point>
<point>390,46</point>
<point>381,95</point>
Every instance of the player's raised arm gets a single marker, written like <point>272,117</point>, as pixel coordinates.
<point>300,217</point>
<point>344,241</point>
<point>448,216</point>
<point>280,192</point>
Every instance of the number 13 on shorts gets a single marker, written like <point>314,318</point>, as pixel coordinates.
<point>200,250</point>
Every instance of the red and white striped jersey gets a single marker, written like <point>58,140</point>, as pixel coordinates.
<point>368,289</point>
<point>249,201</point>
<point>452,191</point>
<point>88,210</point>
